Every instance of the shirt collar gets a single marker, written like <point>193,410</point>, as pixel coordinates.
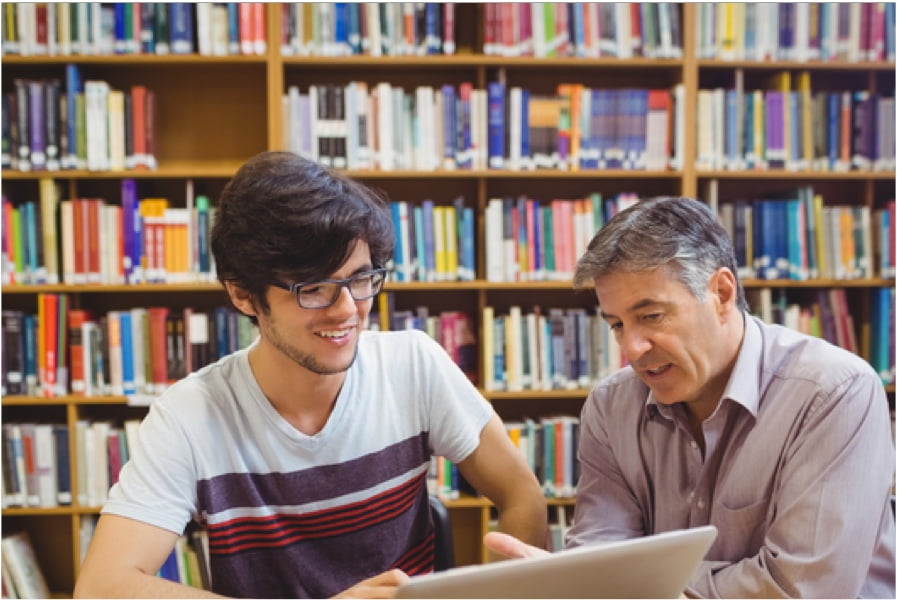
<point>743,386</point>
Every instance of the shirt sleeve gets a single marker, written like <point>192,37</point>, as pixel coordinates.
<point>606,508</point>
<point>157,485</point>
<point>830,502</point>
<point>458,412</point>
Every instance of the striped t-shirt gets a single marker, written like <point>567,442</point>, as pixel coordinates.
<point>293,515</point>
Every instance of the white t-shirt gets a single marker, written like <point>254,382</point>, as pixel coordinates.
<point>293,515</point>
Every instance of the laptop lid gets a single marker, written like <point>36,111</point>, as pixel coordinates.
<point>655,566</point>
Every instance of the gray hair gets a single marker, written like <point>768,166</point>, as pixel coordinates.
<point>680,234</point>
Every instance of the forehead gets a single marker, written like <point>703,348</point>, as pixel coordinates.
<point>620,292</point>
<point>358,260</point>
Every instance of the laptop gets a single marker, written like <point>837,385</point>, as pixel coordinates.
<point>654,566</point>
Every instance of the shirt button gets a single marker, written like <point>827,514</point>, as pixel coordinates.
<point>691,496</point>
<point>701,503</point>
<point>693,444</point>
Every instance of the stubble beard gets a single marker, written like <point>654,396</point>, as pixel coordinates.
<point>308,361</point>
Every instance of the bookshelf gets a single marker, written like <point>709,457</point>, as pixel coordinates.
<point>214,112</point>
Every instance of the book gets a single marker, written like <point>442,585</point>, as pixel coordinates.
<point>20,559</point>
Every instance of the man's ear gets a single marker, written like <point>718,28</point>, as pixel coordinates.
<point>241,298</point>
<point>724,288</point>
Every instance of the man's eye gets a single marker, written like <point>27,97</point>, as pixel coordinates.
<point>310,291</point>
<point>615,326</point>
<point>652,317</point>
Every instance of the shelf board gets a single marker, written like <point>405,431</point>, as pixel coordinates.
<point>801,175</point>
<point>538,394</point>
<point>211,169</point>
<point>133,60</point>
<point>817,283</point>
<point>472,60</point>
<point>809,65</point>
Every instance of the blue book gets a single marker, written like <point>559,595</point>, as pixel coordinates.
<point>63,465</point>
<point>29,346</point>
<point>525,155</point>
<point>496,124</point>
<point>834,138</point>
<point>147,25</point>
<point>889,31</point>
<point>429,255</point>
<point>732,140</point>
<point>30,235</point>
<point>420,245</point>
<point>354,25</point>
<point>119,46</point>
<point>72,89</point>
<point>233,28</point>
<point>794,232</point>
<point>466,235</point>
<point>498,355</point>
<point>398,253</point>
<point>202,235</point>
<point>220,318</point>
<point>450,126</point>
<point>748,128</point>
<point>169,569</point>
<point>341,28</point>
<point>431,28</point>
<point>127,352</point>
<point>180,28</point>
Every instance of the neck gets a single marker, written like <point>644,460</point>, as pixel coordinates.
<point>303,398</point>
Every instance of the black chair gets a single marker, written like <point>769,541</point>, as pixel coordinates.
<point>444,549</point>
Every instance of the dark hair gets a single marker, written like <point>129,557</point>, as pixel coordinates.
<point>681,234</point>
<point>286,218</point>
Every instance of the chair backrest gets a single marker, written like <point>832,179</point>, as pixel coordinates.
<point>444,549</point>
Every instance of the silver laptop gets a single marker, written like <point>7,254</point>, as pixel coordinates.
<point>655,566</point>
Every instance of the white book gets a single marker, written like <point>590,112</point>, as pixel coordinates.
<point>219,30</point>
<point>385,126</point>
<point>487,335</point>
<point>81,433</point>
<point>98,462</point>
<point>204,27</point>
<point>96,102</point>
<point>21,562</point>
<point>494,241</point>
<point>138,339</point>
<point>45,464</point>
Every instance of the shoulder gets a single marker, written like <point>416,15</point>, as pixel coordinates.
<point>619,395</point>
<point>219,383</point>
<point>789,354</point>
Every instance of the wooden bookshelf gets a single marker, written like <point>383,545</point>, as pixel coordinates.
<point>216,112</point>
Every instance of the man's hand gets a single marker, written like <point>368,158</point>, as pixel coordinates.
<point>510,547</point>
<point>379,586</point>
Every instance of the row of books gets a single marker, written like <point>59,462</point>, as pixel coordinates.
<point>36,467</point>
<point>369,28</point>
<point>826,314</point>
<point>386,127</point>
<point>94,28</point>
<point>91,241</point>
<point>583,29</point>
<point>540,240</point>
<point>548,446</point>
<point>90,125</point>
<point>23,576</point>
<point>796,31</point>
<point>794,235</point>
<point>549,349</point>
<point>795,130</point>
<point>454,330</point>
<point>136,353</point>
<point>433,242</point>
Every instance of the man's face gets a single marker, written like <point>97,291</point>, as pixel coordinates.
<point>671,339</point>
<point>322,340</point>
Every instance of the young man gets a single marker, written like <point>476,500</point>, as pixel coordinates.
<point>305,455</point>
<point>779,439</point>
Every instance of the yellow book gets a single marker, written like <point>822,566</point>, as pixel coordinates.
<point>49,201</point>
<point>439,243</point>
<point>487,337</point>
<point>806,117</point>
<point>450,221</point>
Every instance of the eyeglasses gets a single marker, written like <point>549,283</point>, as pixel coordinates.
<point>321,294</point>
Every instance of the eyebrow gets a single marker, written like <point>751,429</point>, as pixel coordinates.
<point>637,306</point>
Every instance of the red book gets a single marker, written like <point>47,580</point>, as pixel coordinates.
<point>138,125</point>
<point>49,333</point>
<point>246,15</point>
<point>635,21</point>
<point>448,28</point>
<point>94,215</point>
<point>114,450</point>
<point>9,246</point>
<point>79,214</point>
<point>150,132</point>
<point>158,352</point>
<point>77,373</point>
<point>260,46</point>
